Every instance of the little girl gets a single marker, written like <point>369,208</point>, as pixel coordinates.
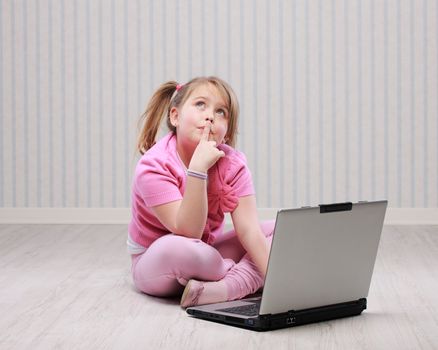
<point>183,185</point>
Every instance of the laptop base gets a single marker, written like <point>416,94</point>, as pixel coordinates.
<point>286,319</point>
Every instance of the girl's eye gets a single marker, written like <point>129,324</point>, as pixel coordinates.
<point>200,104</point>
<point>221,112</point>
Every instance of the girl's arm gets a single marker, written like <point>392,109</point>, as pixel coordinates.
<point>186,217</point>
<point>246,224</point>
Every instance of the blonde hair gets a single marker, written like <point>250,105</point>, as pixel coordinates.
<point>163,100</point>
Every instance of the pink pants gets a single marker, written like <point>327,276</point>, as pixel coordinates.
<point>171,261</point>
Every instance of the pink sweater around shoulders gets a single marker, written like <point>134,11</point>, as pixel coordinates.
<point>160,177</point>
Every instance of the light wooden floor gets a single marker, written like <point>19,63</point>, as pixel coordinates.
<point>68,287</point>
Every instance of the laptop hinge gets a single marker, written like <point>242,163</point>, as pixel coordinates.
<point>330,208</point>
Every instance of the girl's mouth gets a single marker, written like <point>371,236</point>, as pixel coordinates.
<point>202,129</point>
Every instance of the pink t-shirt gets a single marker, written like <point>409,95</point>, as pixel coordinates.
<point>160,177</point>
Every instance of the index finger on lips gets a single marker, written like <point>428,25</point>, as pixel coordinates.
<point>206,131</point>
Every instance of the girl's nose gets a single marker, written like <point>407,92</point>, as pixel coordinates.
<point>209,117</point>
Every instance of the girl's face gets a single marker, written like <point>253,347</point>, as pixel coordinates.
<point>205,103</point>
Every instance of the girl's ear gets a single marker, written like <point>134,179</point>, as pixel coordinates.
<point>173,115</point>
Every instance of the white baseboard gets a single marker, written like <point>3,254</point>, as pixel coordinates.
<point>64,215</point>
<point>394,216</point>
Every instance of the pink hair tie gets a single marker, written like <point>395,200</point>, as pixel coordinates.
<point>179,86</point>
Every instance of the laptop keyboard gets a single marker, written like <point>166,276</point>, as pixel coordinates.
<point>247,310</point>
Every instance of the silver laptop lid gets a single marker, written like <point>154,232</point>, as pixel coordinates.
<point>322,258</point>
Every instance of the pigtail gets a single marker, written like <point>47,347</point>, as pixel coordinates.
<point>151,119</point>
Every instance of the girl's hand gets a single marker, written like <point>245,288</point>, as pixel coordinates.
<point>206,153</point>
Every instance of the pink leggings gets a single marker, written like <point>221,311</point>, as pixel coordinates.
<point>171,261</point>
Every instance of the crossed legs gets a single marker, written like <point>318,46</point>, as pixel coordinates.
<point>171,261</point>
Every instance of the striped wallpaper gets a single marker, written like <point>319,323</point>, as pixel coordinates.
<point>338,97</point>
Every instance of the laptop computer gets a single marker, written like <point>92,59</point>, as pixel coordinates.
<point>320,267</point>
